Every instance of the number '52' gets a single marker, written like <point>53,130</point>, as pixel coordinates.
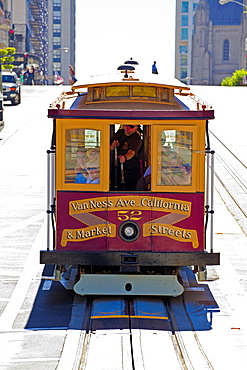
<point>129,215</point>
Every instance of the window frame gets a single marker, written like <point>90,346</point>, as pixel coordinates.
<point>62,126</point>
<point>197,161</point>
<point>226,51</point>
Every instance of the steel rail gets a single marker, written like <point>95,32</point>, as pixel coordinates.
<point>235,171</point>
<point>185,357</point>
<point>227,148</point>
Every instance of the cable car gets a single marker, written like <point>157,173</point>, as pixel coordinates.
<point>121,241</point>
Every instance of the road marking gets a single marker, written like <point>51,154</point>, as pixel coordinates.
<point>47,285</point>
<point>194,289</point>
<point>131,316</point>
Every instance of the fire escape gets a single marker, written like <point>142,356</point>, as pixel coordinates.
<point>38,24</point>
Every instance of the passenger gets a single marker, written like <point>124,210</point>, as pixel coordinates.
<point>93,170</point>
<point>144,182</point>
<point>80,168</point>
<point>125,147</point>
<point>154,69</point>
<point>93,154</point>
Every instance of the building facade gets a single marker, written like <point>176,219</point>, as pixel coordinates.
<point>5,25</point>
<point>185,11</point>
<point>216,41</point>
<point>61,37</point>
<point>44,31</point>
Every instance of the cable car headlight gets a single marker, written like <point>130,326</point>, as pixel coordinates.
<point>129,231</point>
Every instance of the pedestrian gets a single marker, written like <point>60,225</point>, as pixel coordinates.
<point>72,78</point>
<point>125,147</point>
<point>58,79</point>
<point>22,78</point>
<point>154,68</point>
<point>27,76</point>
<point>31,76</point>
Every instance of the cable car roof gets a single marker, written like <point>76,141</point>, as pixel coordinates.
<point>133,78</point>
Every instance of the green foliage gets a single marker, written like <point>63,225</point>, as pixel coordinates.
<point>10,51</point>
<point>236,79</point>
<point>6,57</point>
<point>3,52</point>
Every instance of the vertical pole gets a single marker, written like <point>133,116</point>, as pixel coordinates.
<point>1,95</point>
<point>44,70</point>
<point>212,200</point>
<point>48,199</point>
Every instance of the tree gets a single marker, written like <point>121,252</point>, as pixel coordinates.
<point>236,79</point>
<point>6,57</point>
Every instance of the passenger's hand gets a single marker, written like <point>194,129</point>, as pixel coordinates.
<point>114,144</point>
<point>122,159</point>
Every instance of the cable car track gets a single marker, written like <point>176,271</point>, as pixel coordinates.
<point>185,356</point>
<point>139,334</point>
<point>231,173</point>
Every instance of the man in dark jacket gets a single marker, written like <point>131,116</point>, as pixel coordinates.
<point>126,145</point>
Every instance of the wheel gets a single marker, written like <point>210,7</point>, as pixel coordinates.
<point>16,100</point>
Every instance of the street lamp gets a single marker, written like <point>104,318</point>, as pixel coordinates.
<point>223,2</point>
<point>65,49</point>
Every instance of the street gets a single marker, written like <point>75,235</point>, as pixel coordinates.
<point>35,316</point>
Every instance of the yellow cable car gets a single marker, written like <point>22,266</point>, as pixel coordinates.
<point>130,192</point>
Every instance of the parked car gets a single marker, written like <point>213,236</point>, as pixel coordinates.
<point>11,87</point>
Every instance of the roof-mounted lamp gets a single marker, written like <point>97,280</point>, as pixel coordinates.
<point>131,61</point>
<point>126,68</point>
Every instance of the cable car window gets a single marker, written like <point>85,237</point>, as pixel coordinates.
<point>174,158</point>
<point>82,156</point>
<point>113,91</point>
<point>148,91</point>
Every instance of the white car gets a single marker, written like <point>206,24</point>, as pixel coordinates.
<point>11,87</point>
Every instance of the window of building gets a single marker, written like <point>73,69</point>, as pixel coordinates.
<point>57,44</point>
<point>184,59</point>
<point>184,33</point>
<point>56,59</point>
<point>195,5</point>
<point>184,20</point>
<point>183,73</point>
<point>226,51</point>
<point>185,7</point>
<point>202,37</point>
<point>57,53</point>
<point>183,49</point>
<point>56,40</point>
<point>56,6</point>
<point>57,66</point>
<point>56,20</point>
<point>56,30</point>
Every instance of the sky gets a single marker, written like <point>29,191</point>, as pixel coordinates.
<point>109,32</point>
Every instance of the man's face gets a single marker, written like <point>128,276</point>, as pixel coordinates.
<point>130,129</point>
